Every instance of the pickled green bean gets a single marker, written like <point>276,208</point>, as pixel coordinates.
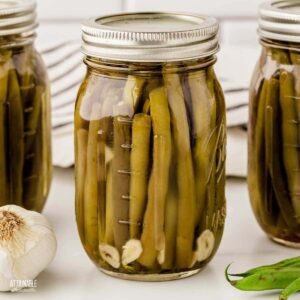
<point>161,160</point>
<point>290,138</point>
<point>212,143</point>
<point>294,56</point>
<point>91,183</point>
<point>220,206</point>
<point>33,119</point>
<point>202,109</point>
<point>160,116</point>
<point>133,91</point>
<point>23,61</point>
<point>80,171</point>
<point>103,136</point>
<point>16,137</point>
<point>121,179</point>
<point>273,159</point>
<point>4,189</point>
<point>149,254</point>
<point>185,173</point>
<point>170,230</point>
<point>109,233</point>
<point>257,181</point>
<point>33,188</point>
<point>141,130</point>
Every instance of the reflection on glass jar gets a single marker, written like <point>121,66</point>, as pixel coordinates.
<point>25,146</point>
<point>274,132</point>
<point>150,163</point>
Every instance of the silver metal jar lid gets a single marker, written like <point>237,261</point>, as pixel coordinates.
<point>150,37</point>
<point>280,20</point>
<point>17,17</point>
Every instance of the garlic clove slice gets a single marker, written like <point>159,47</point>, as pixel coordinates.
<point>110,255</point>
<point>132,250</point>
<point>161,256</point>
<point>205,245</point>
<point>194,259</point>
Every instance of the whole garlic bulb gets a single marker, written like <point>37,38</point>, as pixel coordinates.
<point>27,245</point>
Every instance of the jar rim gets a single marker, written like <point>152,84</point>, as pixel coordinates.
<point>18,17</point>
<point>280,20</point>
<point>150,36</point>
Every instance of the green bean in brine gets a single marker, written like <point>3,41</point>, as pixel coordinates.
<point>33,188</point>
<point>171,215</point>
<point>201,106</point>
<point>23,61</point>
<point>273,156</point>
<point>139,161</point>
<point>153,237</point>
<point>91,184</point>
<point>80,172</point>
<point>16,137</point>
<point>290,138</point>
<point>185,173</point>
<point>104,129</point>
<point>4,181</point>
<point>121,179</point>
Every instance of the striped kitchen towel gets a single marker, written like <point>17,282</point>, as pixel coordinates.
<point>66,72</point>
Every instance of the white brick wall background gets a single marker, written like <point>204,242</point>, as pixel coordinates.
<point>237,17</point>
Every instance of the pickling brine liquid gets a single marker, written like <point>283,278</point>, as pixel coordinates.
<point>274,142</point>
<point>150,167</point>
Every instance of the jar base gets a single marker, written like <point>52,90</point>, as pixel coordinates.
<point>151,277</point>
<point>285,242</point>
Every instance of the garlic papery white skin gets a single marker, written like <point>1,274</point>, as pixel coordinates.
<point>27,245</point>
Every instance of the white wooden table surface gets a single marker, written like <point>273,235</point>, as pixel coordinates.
<point>73,276</point>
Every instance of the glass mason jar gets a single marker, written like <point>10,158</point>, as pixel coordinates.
<point>150,134</point>
<point>274,130</point>
<point>25,146</point>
